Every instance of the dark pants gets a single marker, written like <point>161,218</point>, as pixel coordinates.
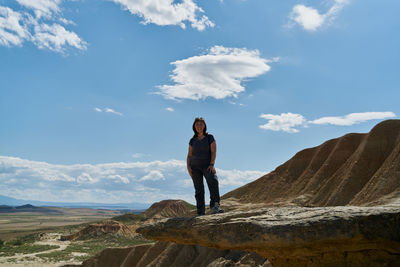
<point>212,182</point>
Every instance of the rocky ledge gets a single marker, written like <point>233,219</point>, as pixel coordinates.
<point>294,236</point>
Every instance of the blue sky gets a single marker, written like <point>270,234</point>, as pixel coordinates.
<point>98,97</point>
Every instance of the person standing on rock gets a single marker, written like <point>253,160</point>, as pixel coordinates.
<point>200,162</point>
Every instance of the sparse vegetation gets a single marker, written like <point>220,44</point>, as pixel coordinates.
<point>21,231</point>
<point>90,248</point>
<point>129,218</point>
<point>190,206</point>
<point>12,260</point>
<point>12,249</point>
<point>14,243</point>
<point>28,258</point>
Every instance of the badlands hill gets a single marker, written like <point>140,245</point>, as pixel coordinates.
<point>126,224</point>
<point>107,227</point>
<point>356,169</point>
<point>167,209</point>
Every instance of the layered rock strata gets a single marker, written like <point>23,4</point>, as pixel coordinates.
<point>294,236</point>
<point>167,254</point>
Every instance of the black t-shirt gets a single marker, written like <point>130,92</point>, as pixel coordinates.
<point>201,151</point>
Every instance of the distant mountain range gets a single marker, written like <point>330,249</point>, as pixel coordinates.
<point>9,201</point>
<point>25,208</point>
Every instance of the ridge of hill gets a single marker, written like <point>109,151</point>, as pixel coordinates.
<point>355,169</point>
<point>168,208</point>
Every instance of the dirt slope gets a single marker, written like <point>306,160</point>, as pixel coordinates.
<point>356,169</point>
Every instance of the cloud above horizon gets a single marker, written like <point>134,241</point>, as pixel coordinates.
<point>121,182</point>
<point>353,118</point>
<point>310,19</point>
<point>36,22</point>
<point>167,12</point>
<point>287,122</point>
<point>218,73</point>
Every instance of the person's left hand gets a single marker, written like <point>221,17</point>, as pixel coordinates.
<point>211,169</point>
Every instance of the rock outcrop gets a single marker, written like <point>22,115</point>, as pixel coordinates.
<point>294,236</point>
<point>99,229</point>
<point>173,255</point>
<point>356,169</point>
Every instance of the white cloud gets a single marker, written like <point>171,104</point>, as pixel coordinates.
<point>287,121</point>
<point>311,20</point>
<point>283,122</point>
<point>120,179</point>
<point>153,176</point>
<point>16,27</point>
<point>12,28</point>
<point>230,178</point>
<point>170,109</point>
<point>166,12</point>
<point>109,110</point>
<point>237,177</point>
<point>42,7</point>
<point>217,74</point>
<point>234,103</point>
<point>55,37</point>
<point>353,118</point>
<point>120,182</point>
<point>86,178</point>
<point>308,17</point>
<point>66,21</point>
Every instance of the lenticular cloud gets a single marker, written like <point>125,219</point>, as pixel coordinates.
<point>217,73</point>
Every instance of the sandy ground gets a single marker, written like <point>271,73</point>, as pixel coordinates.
<point>34,261</point>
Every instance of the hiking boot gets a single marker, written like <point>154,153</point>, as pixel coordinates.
<point>216,209</point>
